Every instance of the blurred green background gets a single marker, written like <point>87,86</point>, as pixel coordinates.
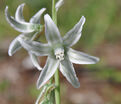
<point>101,37</point>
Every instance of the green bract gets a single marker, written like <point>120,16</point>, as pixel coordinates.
<point>29,29</point>
<point>46,94</point>
<point>59,52</point>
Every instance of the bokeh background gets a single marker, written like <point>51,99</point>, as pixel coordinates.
<point>101,37</point>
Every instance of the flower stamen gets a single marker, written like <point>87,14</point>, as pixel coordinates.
<point>59,53</point>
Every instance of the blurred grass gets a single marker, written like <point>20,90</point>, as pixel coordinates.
<point>4,85</point>
<point>109,74</point>
<point>32,91</point>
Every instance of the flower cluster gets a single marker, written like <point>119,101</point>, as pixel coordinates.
<point>58,49</point>
<point>29,30</point>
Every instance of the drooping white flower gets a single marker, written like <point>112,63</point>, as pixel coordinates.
<point>29,29</point>
<point>59,52</point>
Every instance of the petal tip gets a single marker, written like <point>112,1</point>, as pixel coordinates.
<point>6,7</point>
<point>77,86</point>
<point>43,9</point>
<point>9,53</point>
<point>39,68</point>
<point>6,10</point>
<point>38,85</point>
<point>97,59</point>
<point>83,18</point>
<point>23,4</point>
<point>48,19</point>
<point>9,50</point>
<point>59,4</point>
<point>46,16</point>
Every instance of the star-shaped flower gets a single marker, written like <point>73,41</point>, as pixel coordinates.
<point>29,29</point>
<point>59,52</point>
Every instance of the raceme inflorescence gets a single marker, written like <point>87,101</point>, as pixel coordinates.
<point>58,48</point>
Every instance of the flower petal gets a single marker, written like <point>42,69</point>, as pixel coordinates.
<point>19,13</point>
<point>59,4</point>
<point>34,47</point>
<point>22,27</point>
<point>74,34</point>
<point>35,60</point>
<point>51,31</point>
<point>67,69</point>
<point>36,18</point>
<point>30,35</point>
<point>81,58</point>
<point>14,46</point>
<point>47,72</point>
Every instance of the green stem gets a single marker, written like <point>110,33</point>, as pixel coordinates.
<point>57,89</point>
<point>54,13</point>
<point>57,81</point>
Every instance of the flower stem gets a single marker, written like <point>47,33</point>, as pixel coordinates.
<point>57,89</point>
<point>56,76</point>
<point>54,13</point>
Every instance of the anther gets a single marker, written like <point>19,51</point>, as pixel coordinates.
<point>59,53</point>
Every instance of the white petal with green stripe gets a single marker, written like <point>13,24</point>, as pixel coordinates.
<point>81,58</point>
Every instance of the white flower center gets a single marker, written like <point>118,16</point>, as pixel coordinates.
<point>59,53</point>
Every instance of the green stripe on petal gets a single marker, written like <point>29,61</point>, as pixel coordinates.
<point>81,58</point>
<point>21,27</point>
<point>74,34</point>
<point>35,61</point>
<point>19,13</point>
<point>34,47</point>
<point>51,31</point>
<point>30,35</point>
<point>36,18</point>
<point>67,69</point>
<point>14,46</point>
<point>47,72</point>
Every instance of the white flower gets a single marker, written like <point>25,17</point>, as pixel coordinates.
<point>29,29</point>
<point>59,52</point>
